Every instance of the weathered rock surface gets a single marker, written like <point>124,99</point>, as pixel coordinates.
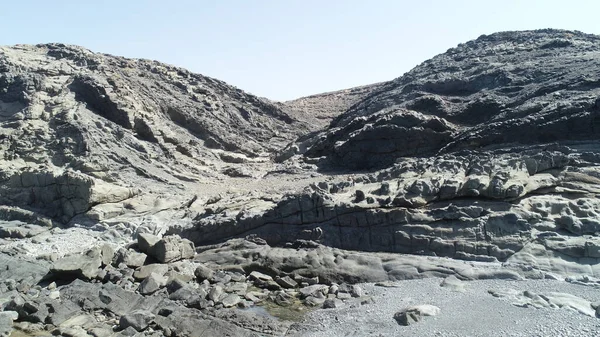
<point>546,300</point>
<point>138,319</point>
<point>415,313</point>
<point>177,201</point>
<point>172,248</point>
<point>85,266</point>
<point>493,90</point>
<point>6,322</point>
<point>80,129</point>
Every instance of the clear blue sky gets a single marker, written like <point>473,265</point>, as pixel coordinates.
<point>283,49</point>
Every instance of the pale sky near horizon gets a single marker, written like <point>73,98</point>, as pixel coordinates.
<point>284,49</point>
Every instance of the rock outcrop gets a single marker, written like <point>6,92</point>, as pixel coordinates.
<point>80,128</point>
<point>506,88</point>
<point>138,198</point>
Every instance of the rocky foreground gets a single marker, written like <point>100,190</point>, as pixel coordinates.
<point>137,198</point>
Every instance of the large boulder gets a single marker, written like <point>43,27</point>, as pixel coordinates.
<point>172,248</point>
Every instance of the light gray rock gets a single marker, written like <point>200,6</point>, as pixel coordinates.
<point>313,301</point>
<point>145,271</point>
<point>20,230</point>
<point>286,282</point>
<point>215,293</point>
<point>173,248</point>
<point>77,265</point>
<point>130,258</point>
<point>356,291</point>
<point>146,242</point>
<point>108,254</point>
<point>152,283</point>
<point>256,275</point>
<point>332,304</point>
<point>6,323</point>
<point>545,300</point>
<point>317,290</point>
<point>203,273</point>
<point>231,300</point>
<point>453,283</point>
<point>138,319</point>
<point>415,313</point>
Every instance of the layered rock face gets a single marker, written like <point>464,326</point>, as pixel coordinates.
<point>515,87</point>
<point>80,128</point>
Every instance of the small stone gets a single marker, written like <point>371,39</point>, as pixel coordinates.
<point>203,273</point>
<point>183,294</point>
<point>314,301</point>
<point>54,295</point>
<point>130,258</point>
<point>78,265</point>
<point>286,282</point>
<point>252,298</point>
<point>220,277</point>
<point>332,303</point>
<point>173,248</point>
<point>175,284</point>
<point>343,296</point>
<point>255,275</point>
<point>239,288</point>
<point>199,303</point>
<point>313,290</point>
<point>359,196</point>
<point>138,319</point>
<point>145,271</point>
<point>6,322</point>
<point>283,299</point>
<point>414,314</point>
<point>146,242</point>
<point>356,291</point>
<point>215,293</point>
<point>108,254</point>
<point>453,283</point>
<point>152,283</point>
<point>231,300</point>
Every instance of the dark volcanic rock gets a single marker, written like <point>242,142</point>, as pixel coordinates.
<point>526,87</point>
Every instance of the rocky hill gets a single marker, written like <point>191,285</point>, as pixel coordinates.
<point>140,198</point>
<point>507,88</point>
<point>100,126</point>
<point>320,109</point>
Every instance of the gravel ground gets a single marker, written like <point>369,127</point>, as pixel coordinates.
<point>471,313</point>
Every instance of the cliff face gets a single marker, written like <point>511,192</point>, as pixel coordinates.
<point>105,120</point>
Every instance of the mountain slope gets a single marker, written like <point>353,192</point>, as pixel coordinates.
<point>79,128</point>
<point>528,87</point>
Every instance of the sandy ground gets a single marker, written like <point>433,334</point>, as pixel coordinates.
<point>471,313</point>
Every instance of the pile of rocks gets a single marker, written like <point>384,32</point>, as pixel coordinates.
<point>149,286</point>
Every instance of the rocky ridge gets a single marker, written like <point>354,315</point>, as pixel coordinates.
<point>130,184</point>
